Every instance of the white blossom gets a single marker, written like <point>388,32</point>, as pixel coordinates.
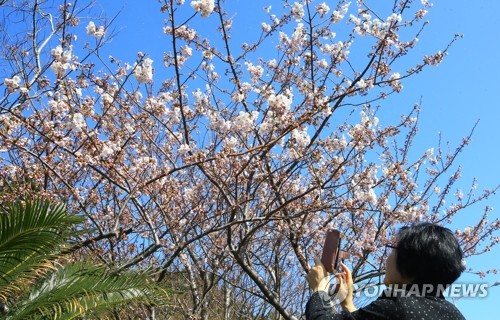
<point>144,71</point>
<point>255,72</point>
<point>238,97</point>
<point>265,27</point>
<point>78,122</point>
<point>92,30</point>
<point>394,18</point>
<point>323,63</point>
<point>206,7</point>
<point>280,102</point>
<point>245,121</point>
<point>208,54</point>
<point>56,52</point>
<point>59,68</point>
<point>187,51</point>
<point>183,149</point>
<point>24,91</point>
<point>301,136</point>
<point>338,15</point>
<point>429,152</point>
<point>12,84</point>
<point>231,142</point>
<point>322,9</point>
<point>394,80</point>
<point>297,11</point>
<point>106,151</point>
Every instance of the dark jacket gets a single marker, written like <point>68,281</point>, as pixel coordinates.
<point>387,307</point>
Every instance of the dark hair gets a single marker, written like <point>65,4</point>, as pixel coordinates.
<point>429,254</point>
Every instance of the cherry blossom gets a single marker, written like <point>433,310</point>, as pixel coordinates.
<point>206,7</point>
<point>78,123</point>
<point>297,11</point>
<point>322,9</point>
<point>143,72</point>
<point>92,30</point>
<point>229,159</point>
<point>12,84</point>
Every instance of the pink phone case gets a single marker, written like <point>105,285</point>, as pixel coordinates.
<point>331,250</point>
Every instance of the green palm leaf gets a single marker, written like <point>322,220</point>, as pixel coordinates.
<point>71,292</point>
<point>30,234</point>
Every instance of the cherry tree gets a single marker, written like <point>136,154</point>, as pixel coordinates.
<point>222,165</point>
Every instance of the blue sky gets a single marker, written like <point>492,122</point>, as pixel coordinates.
<point>455,95</point>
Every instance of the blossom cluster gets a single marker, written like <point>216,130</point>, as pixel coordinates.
<point>78,122</point>
<point>143,71</point>
<point>255,72</point>
<point>246,121</point>
<point>338,15</point>
<point>63,60</point>
<point>95,31</point>
<point>322,9</point>
<point>301,137</point>
<point>395,82</point>
<point>206,7</point>
<point>183,32</point>
<point>12,84</point>
<point>297,11</point>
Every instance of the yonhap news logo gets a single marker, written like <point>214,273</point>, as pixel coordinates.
<point>455,290</point>
<point>333,295</point>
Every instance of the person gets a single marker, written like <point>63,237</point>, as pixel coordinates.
<point>426,259</point>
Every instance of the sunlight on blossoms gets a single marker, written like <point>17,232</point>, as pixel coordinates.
<point>108,149</point>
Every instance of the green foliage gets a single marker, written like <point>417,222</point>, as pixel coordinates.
<point>32,236</point>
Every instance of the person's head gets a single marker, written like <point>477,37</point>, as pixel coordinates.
<point>425,254</point>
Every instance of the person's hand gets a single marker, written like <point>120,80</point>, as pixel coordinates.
<point>318,277</point>
<point>346,288</point>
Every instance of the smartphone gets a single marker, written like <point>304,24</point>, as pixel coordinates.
<point>331,250</point>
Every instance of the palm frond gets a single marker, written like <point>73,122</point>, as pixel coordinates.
<point>74,290</point>
<point>32,236</point>
<point>31,233</point>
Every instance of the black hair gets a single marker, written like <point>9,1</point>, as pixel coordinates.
<point>429,254</point>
